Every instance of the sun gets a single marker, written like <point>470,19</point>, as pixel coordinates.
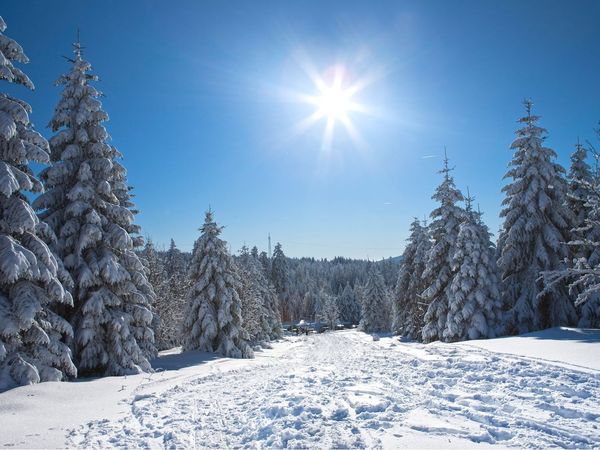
<point>334,102</point>
<point>336,94</point>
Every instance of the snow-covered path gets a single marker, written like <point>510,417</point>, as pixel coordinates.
<point>345,390</point>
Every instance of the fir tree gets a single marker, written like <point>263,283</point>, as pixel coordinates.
<point>329,312</point>
<point>280,279</point>
<point>175,291</point>
<point>213,317</point>
<point>309,304</point>
<point>167,319</point>
<point>32,335</point>
<point>87,205</point>
<point>265,262</point>
<point>583,275</point>
<point>580,185</point>
<point>349,309</point>
<point>474,297</point>
<point>260,311</point>
<point>439,272</point>
<point>375,304</point>
<point>534,234</point>
<point>408,307</point>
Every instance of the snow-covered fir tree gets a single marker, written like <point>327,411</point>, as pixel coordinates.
<point>260,310</point>
<point>375,314</point>
<point>583,274</point>
<point>87,204</point>
<point>280,279</point>
<point>309,305</point>
<point>166,322</point>
<point>348,306</point>
<point>580,189</point>
<point>329,312</point>
<point>251,303</point>
<point>439,272</point>
<point>408,308</point>
<point>475,306</point>
<point>171,304</point>
<point>265,262</point>
<point>32,334</point>
<point>213,316</point>
<point>534,234</point>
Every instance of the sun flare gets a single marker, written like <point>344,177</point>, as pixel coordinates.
<point>334,102</point>
<point>335,95</point>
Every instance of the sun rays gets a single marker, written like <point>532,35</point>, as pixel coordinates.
<point>334,96</point>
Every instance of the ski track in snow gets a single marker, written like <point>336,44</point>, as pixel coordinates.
<point>344,390</point>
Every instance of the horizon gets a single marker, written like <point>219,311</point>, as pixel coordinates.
<point>208,104</point>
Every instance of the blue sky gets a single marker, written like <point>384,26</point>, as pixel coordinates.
<point>195,92</point>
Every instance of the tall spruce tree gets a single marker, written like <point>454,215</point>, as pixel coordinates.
<point>32,335</point>
<point>348,306</point>
<point>580,187</point>
<point>475,306</point>
<point>408,306</point>
<point>260,311</point>
<point>170,307</point>
<point>534,234</point>
<point>88,205</point>
<point>167,320</point>
<point>439,272</point>
<point>583,274</point>
<point>375,303</point>
<point>213,316</point>
<point>280,279</point>
<point>329,312</point>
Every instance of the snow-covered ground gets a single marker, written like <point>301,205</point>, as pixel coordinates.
<point>339,389</point>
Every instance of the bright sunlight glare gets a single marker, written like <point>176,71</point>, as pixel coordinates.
<point>333,100</point>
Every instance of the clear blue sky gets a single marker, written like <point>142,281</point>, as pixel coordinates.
<point>194,92</point>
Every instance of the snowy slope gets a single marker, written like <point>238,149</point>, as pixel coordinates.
<point>337,389</point>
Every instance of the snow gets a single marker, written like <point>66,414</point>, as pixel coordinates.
<point>338,389</point>
<point>570,347</point>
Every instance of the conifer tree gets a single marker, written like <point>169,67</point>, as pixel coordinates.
<point>88,206</point>
<point>475,306</point>
<point>260,311</point>
<point>175,291</point>
<point>265,262</point>
<point>408,307</point>
<point>280,279</point>
<point>329,312</point>
<point>167,315</point>
<point>348,307</point>
<point>579,181</point>
<point>583,274</point>
<point>375,304</point>
<point>309,303</point>
<point>580,189</point>
<point>32,334</point>
<point>438,272</point>
<point>213,317</point>
<point>534,234</point>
